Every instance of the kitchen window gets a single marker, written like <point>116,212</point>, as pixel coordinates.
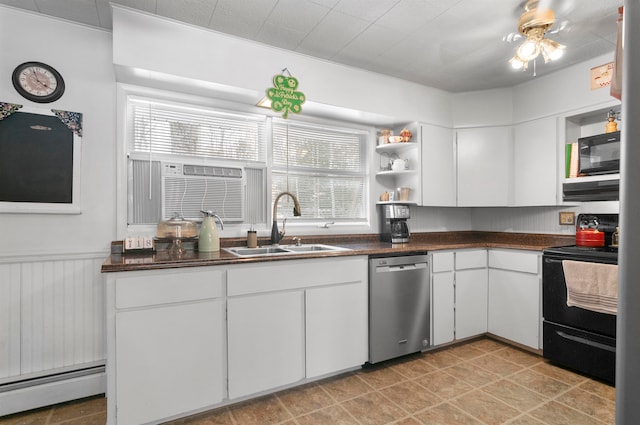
<point>325,167</point>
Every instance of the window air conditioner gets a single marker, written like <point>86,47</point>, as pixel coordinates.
<point>187,189</point>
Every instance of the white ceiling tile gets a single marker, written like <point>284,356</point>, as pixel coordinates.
<point>371,43</point>
<point>334,32</point>
<point>276,35</point>
<point>298,15</point>
<point>22,4</point>
<point>241,18</point>
<point>326,3</point>
<point>83,11</point>
<point>196,12</point>
<point>409,15</point>
<point>369,10</point>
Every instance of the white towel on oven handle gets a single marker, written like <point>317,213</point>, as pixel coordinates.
<point>592,286</point>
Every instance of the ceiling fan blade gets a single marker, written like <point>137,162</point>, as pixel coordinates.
<point>560,26</point>
<point>512,37</point>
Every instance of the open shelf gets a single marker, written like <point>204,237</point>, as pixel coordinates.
<point>396,173</point>
<point>395,147</point>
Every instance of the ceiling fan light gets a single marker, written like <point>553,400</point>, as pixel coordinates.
<point>516,63</point>
<point>528,50</point>
<point>552,50</point>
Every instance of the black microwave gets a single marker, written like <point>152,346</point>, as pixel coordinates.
<point>599,154</point>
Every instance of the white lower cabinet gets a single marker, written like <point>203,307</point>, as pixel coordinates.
<point>266,341</point>
<point>336,328</point>
<point>443,309</point>
<point>459,294</point>
<point>515,296</point>
<point>471,302</point>
<point>181,341</point>
<point>169,361</point>
<point>295,320</point>
<point>166,344</point>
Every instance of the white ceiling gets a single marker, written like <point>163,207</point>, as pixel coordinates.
<point>455,45</point>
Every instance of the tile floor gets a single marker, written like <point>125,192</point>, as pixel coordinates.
<point>482,382</point>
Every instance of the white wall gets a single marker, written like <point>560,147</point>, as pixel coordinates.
<point>218,62</point>
<point>83,56</point>
<point>559,92</point>
<point>237,68</point>
<point>440,219</point>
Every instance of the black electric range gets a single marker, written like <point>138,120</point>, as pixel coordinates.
<point>573,337</point>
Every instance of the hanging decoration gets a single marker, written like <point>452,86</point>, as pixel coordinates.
<point>73,120</point>
<point>7,109</point>
<point>283,95</point>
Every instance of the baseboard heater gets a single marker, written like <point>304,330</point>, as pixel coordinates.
<point>32,393</point>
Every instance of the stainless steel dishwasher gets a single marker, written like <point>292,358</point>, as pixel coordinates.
<point>399,306</point>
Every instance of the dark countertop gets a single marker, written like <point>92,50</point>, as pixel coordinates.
<point>358,244</point>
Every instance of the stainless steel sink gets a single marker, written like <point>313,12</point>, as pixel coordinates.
<point>283,250</point>
<point>252,252</point>
<point>314,248</point>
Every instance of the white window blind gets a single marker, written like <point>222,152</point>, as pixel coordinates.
<point>183,137</point>
<point>324,167</point>
<point>181,130</point>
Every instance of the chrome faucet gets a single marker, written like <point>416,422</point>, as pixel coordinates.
<point>276,236</point>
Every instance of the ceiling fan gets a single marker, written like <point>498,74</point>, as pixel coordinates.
<point>534,23</point>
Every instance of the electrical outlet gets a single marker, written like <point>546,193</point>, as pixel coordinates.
<point>567,218</point>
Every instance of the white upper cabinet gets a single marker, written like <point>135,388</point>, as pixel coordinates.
<point>535,163</point>
<point>485,166</point>
<point>438,166</point>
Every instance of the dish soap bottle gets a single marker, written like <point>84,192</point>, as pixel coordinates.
<point>209,240</point>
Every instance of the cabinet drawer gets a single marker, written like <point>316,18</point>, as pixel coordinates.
<point>295,274</point>
<point>168,287</point>
<point>519,261</point>
<point>474,259</point>
<point>442,261</point>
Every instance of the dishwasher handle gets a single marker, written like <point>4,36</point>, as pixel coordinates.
<point>401,268</point>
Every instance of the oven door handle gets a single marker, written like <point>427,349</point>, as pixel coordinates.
<point>586,341</point>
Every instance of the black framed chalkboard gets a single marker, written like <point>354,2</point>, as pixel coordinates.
<point>38,168</point>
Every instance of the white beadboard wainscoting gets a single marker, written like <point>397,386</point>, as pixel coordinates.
<point>52,329</point>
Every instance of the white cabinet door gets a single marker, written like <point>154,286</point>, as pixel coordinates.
<point>485,166</point>
<point>443,308</point>
<point>336,328</point>
<point>514,306</point>
<point>438,166</point>
<point>170,360</point>
<point>471,302</point>
<point>265,341</point>
<point>535,163</point>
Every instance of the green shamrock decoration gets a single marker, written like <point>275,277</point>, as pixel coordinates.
<point>284,97</point>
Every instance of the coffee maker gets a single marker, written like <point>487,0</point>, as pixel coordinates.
<point>393,223</point>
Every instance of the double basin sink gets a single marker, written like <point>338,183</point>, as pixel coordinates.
<point>277,250</point>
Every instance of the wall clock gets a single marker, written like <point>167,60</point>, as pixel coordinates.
<point>38,82</point>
